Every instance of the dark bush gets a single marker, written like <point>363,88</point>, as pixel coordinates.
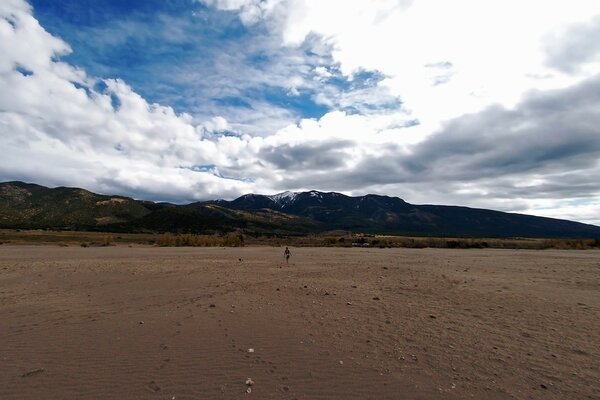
<point>452,244</point>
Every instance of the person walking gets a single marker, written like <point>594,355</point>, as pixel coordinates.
<point>286,255</point>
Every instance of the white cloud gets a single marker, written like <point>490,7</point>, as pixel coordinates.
<point>585,211</point>
<point>495,47</point>
<point>56,127</point>
<point>575,49</point>
<point>217,124</point>
<point>251,11</point>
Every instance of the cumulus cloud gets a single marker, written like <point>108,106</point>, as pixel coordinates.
<point>216,124</point>
<point>60,124</point>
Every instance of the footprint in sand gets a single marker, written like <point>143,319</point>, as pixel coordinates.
<point>152,387</point>
<point>164,363</point>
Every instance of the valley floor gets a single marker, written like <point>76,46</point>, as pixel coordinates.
<point>178,323</point>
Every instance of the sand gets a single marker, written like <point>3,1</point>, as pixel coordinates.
<point>178,323</point>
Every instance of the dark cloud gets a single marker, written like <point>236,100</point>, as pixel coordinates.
<point>552,130</point>
<point>574,47</point>
<point>554,189</point>
<point>310,156</point>
<point>382,169</point>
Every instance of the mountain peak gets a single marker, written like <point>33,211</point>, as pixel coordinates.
<point>283,197</point>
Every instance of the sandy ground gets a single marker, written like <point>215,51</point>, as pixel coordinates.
<point>178,323</point>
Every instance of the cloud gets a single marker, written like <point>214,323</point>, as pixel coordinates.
<point>251,11</point>
<point>328,156</point>
<point>548,131</point>
<point>575,47</point>
<point>494,48</point>
<point>216,124</point>
<point>60,126</point>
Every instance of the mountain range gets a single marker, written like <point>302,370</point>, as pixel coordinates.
<point>31,206</point>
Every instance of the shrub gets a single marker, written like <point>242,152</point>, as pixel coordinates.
<point>107,240</point>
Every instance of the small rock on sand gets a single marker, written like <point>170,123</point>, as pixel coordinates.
<point>249,382</point>
<point>33,372</point>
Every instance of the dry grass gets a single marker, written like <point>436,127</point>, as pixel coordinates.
<point>378,241</point>
<point>237,239</point>
<point>229,240</point>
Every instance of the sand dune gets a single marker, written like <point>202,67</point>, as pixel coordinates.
<point>178,323</point>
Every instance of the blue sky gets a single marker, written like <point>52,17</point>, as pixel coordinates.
<point>429,100</point>
<point>189,56</point>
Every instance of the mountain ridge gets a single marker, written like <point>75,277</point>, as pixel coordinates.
<point>27,205</point>
<point>374,213</point>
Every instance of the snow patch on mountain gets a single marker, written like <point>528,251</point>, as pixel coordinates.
<point>285,197</point>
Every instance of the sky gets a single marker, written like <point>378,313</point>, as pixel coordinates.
<point>490,104</point>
